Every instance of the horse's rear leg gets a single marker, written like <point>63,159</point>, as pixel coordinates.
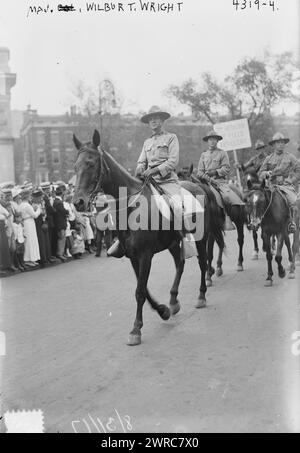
<point>267,248</point>
<point>278,257</point>
<point>210,254</point>
<point>142,269</point>
<point>256,249</point>
<point>202,260</point>
<point>179,264</point>
<point>240,232</point>
<point>291,255</point>
<point>219,270</point>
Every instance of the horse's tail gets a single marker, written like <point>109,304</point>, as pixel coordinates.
<point>217,216</point>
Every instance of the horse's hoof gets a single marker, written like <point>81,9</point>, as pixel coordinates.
<point>268,283</point>
<point>174,309</point>
<point>239,268</point>
<point>201,303</point>
<point>164,312</point>
<point>254,257</point>
<point>219,272</point>
<point>282,274</point>
<point>134,340</point>
<point>208,283</point>
<point>291,275</point>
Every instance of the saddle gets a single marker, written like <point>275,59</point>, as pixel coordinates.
<point>214,188</point>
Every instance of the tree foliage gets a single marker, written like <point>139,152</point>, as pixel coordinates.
<point>251,91</point>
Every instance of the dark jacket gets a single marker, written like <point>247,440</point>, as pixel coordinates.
<point>60,215</point>
<point>49,211</point>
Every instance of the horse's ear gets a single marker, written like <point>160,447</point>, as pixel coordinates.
<point>249,183</point>
<point>191,169</point>
<point>77,143</point>
<point>263,184</point>
<point>96,138</point>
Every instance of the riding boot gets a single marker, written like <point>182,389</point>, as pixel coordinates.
<point>291,221</point>
<point>116,250</point>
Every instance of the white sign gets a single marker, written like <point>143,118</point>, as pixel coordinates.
<point>235,134</point>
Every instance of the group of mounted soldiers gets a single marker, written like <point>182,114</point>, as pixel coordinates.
<point>160,157</point>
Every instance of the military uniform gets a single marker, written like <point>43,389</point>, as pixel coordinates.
<point>161,151</point>
<point>217,160</point>
<point>254,163</point>
<point>285,170</point>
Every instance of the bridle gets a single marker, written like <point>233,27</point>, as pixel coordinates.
<point>270,202</point>
<point>103,172</point>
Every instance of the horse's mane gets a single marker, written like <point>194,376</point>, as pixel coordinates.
<point>120,168</point>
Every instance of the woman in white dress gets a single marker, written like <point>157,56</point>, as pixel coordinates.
<point>32,252</point>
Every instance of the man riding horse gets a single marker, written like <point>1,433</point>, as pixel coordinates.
<point>283,169</point>
<point>214,168</point>
<point>158,159</point>
<point>254,164</point>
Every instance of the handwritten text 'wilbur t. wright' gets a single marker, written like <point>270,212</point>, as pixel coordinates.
<point>139,6</point>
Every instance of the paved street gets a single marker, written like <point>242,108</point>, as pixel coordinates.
<point>228,367</point>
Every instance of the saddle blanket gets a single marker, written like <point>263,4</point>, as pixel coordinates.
<point>186,208</point>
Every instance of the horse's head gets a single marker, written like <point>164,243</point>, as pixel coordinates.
<point>256,205</point>
<point>88,171</point>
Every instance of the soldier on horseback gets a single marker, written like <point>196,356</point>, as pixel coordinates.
<point>214,168</point>
<point>158,159</point>
<point>256,161</point>
<point>283,169</point>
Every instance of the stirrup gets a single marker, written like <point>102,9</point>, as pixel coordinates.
<point>116,250</point>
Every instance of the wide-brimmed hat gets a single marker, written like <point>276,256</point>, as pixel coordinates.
<point>212,134</point>
<point>15,192</point>
<point>278,137</point>
<point>25,193</point>
<point>37,193</point>
<point>45,185</point>
<point>259,144</point>
<point>7,190</point>
<point>155,111</point>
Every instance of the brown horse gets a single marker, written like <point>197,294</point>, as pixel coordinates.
<point>97,169</point>
<point>267,209</point>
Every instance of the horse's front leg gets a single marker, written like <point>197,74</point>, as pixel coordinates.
<point>296,240</point>
<point>256,249</point>
<point>142,268</point>
<point>161,309</point>
<point>278,257</point>
<point>202,260</point>
<point>210,255</point>
<point>179,264</point>
<point>240,232</point>
<point>267,247</point>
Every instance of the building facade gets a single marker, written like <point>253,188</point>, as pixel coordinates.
<point>46,150</point>
<point>7,81</point>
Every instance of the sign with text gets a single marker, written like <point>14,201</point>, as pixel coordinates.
<point>235,134</point>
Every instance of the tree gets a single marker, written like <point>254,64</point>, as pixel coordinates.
<point>251,91</point>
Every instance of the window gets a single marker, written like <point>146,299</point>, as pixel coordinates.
<point>55,137</point>
<point>69,138</point>
<point>42,177</point>
<point>42,158</point>
<point>55,156</point>
<point>40,138</point>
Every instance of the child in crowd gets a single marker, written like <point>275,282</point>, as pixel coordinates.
<point>19,242</point>
<point>78,244</point>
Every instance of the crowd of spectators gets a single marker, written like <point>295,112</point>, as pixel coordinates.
<point>40,226</point>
